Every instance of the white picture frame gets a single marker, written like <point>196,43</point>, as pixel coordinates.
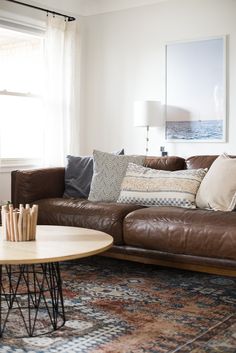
<point>195,99</point>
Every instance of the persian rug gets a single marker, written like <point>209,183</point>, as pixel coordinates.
<point>115,306</point>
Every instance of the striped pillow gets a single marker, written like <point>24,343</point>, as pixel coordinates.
<point>149,187</point>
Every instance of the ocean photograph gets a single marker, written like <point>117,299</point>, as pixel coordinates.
<point>195,130</point>
<point>195,90</point>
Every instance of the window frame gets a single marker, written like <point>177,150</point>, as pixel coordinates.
<point>9,164</point>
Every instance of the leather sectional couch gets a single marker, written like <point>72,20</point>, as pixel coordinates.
<point>194,239</point>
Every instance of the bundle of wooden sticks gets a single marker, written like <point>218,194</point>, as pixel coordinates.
<point>19,224</point>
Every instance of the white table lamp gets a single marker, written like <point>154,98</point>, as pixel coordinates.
<point>146,114</point>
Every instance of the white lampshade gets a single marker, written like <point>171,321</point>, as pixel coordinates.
<point>147,113</point>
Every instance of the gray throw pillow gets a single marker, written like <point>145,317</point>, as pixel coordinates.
<point>78,175</point>
<point>109,171</point>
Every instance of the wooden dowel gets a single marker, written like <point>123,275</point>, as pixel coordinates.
<point>16,235</point>
<point>24,228</point>
<point>8,226</point>
<point>20,228</point>
<point>11,222</point>
<point>4,226</point>
<point>27,212</point>
<point>28,223</point>
<point>35,218</point>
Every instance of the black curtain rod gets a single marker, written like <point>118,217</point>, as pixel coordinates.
<point>42,9</point>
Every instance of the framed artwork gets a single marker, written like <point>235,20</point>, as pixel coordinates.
<point>195,103</point>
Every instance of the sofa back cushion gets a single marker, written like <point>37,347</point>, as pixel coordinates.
<point>196,162</point>
<point>165,163</point>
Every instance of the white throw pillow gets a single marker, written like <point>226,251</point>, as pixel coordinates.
<point>150,187</point>
<point>218,189</point>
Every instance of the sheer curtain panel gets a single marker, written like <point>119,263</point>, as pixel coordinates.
<point>61,124</point>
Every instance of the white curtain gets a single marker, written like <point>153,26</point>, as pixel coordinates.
<point>61,120</point>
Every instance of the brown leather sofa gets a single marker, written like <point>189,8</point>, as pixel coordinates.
<point>194,239</point>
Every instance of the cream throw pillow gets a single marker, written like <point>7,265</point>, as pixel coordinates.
<point>218,189</point>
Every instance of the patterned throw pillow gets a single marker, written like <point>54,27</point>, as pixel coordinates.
<point>109,171</point>
<point>149,187</point>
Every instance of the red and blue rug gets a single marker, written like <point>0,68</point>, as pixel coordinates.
<point>115,306</point>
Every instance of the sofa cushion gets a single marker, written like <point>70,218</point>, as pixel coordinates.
<point>106,217</point>
<point>218,189</point>
<point>149,187</point>
<point>182,231</point>
<point>109,171</point>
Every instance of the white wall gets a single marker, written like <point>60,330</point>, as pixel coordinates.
<point>124,60</point>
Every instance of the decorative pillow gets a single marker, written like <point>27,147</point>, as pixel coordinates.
<point>109,171</point>
<point>78,175</point>
<point>218,189</point>
<point>150,187</point>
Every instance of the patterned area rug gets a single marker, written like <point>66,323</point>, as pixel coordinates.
<point>115,306</point>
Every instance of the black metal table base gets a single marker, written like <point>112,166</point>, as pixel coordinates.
<point>31,300</point>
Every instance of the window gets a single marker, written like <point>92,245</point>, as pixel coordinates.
<point>21,89</point>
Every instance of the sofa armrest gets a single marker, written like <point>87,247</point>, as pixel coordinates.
<point>28,186</point>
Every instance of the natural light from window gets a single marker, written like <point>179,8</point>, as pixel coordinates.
<point>21,88</point>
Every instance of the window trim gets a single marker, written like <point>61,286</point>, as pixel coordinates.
<point>7,165</point>
<point>16,22</point>
<point>18,94</point>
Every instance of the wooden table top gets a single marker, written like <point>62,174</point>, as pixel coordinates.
<point>53,244</point>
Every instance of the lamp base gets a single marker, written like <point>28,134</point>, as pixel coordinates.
<point>147,139</point>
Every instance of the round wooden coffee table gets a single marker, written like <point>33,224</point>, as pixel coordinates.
<point>30,280</point>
